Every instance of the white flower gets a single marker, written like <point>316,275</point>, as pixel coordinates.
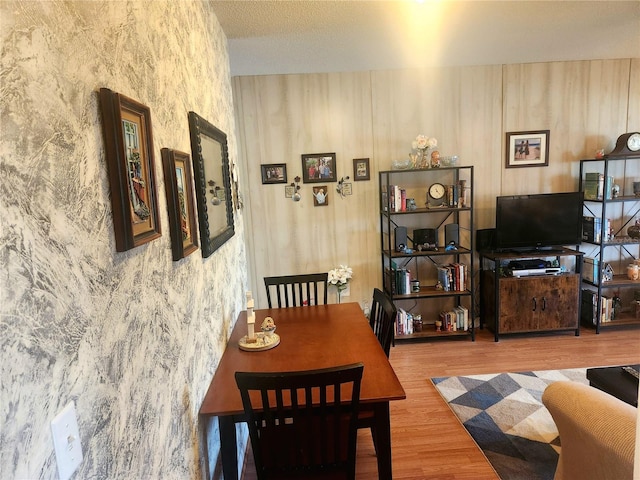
<point>423,142</point>
<point>340,276</point>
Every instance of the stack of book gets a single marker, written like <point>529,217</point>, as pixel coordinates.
<point>394,199</point>
<point>456,196</point>
<point>404,322</point>
<point>453,277</point>
<point>398,280</point>
<point>590,307</point>
<point>594,187</point>
<point>591,270</point>
<point>592,229</point>
<point>455,320</point>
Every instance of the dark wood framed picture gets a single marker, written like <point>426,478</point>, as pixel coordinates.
<point>361,169</point>
<point>126,124</point>
<point>178,181</point>
<point>211,173</point>
<point>527,149</point>
<point>319,167</point>
<point>320,196</point>
<point>274,172</point>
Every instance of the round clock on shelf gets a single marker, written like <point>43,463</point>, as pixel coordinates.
<point>627,144</point>
<point>436,194</point>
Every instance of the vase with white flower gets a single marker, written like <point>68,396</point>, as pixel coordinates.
<point>421,146</point>
<point>339,277</point>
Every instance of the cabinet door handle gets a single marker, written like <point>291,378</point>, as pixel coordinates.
<point>544,303</point>
<point>535,303</point>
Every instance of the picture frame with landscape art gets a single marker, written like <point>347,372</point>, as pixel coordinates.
<point>126,125</point>
<point>319,168</point>
<point>178,181</point>
<point>527,149</point>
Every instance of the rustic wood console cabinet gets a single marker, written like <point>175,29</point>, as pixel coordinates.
<point>533,303</point>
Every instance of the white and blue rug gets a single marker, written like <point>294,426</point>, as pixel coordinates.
<point>504,414</point>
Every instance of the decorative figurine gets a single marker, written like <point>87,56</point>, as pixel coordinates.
<point>435,159</point>
<point>634,230</point>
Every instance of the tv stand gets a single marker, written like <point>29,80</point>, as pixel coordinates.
<point>530,303</point>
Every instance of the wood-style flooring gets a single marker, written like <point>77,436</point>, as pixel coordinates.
<point>428,441</point>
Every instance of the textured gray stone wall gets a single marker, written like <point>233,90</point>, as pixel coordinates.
<point>133,338</point>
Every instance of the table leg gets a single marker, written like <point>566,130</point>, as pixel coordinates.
<point>228,447</point>
<point>383,440</point>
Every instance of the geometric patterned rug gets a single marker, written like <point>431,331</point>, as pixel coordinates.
<point>504,414</point>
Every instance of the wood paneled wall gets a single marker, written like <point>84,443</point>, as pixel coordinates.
<point>377,114</point>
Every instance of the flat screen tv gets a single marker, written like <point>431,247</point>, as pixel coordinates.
<point>538,222</point>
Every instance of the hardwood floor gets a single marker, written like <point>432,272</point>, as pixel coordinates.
<point>428,441</point>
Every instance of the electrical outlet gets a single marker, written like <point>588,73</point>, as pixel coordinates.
<point>66,441</point>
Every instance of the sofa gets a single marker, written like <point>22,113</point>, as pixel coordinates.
<point>597,432</point>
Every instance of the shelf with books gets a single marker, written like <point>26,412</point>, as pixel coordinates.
<point>612,310</point>
<point>609,209</point>
<point>453,322</point>
<point>427,247</point>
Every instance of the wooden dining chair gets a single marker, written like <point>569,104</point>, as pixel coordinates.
<point>294,290</point>
<point>303,424</point>
<point>382,318</point>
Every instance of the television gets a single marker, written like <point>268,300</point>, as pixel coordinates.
<point>538,222</point>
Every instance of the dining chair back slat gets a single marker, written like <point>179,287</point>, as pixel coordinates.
<point>297,290</point>
<point>303,424</point>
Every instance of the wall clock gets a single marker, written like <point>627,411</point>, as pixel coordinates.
<point>627,144</point>
<point>436,194</point>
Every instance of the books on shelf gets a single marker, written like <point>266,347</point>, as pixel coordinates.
<point>394,197</point>
<point>455,320</point>
<point>453,277</point>
<point>591,270</point>
<point>592,229</point>
<point>404,322</point>
<point>590,307</point>
<point>384,198</point>
<point>398,280</point>
<point>594,187</point>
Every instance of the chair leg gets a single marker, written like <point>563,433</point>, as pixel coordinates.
<point>375,440</point>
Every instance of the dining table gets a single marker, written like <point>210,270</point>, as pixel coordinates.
<point>310,337</point>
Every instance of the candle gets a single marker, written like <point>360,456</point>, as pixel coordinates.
<point>251,317</point>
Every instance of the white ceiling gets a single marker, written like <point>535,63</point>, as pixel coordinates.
<point>283,36</point>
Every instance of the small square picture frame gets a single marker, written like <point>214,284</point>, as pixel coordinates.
<point>273,173</point>
<point>527,149</point>
<point>320,196</point>
<point>361,169</point>
<point>289,190</point>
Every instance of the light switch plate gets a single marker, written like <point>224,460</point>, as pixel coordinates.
<point>66,441</point>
